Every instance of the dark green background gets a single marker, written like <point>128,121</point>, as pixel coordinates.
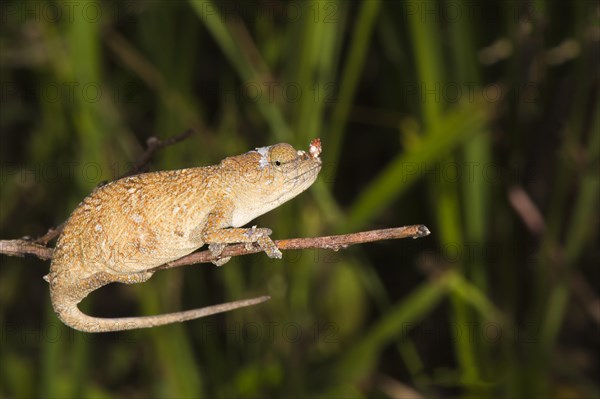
<point>430,112</point>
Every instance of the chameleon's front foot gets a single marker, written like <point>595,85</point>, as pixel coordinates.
<point>261,237</point>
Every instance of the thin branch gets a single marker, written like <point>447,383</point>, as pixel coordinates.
<point>527,210</point>
<point>535,222</point>
<point>326,242</point>
<point>50,235</point>
<point>153,144</point>
<point>24,247</point>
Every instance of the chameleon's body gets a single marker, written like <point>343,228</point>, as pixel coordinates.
<point>124,229</point>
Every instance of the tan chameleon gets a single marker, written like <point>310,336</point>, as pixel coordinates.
<point>124,229</point>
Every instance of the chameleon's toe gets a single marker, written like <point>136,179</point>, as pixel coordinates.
<point>255,233</point>
<point>216,249</point>
<point>221,261</point>
<point>267,245</point>
<point>275,253</point>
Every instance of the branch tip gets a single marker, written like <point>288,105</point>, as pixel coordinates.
<point>422,231</point>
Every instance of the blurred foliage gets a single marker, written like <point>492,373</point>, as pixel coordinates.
<point>460,115</point>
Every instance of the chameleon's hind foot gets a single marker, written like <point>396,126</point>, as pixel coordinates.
<point>215,251</point>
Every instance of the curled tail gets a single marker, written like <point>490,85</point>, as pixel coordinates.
<point>70,314</point>
<point>66,295</point>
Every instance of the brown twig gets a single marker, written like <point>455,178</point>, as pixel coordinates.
<point>527,210</point>
<point>535,222</point>
<point>50,235</point>
<point>23,247</point>
<point>327,242</point>
<point>153,144</point>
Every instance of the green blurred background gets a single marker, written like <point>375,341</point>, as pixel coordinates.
<point>478,119</point>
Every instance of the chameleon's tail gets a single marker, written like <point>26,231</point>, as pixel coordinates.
<point>70,314</point>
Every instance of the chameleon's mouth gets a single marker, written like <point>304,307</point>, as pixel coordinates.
<point>301,181</point>
<point>312,171</point>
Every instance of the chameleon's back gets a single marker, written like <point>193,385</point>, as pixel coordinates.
<point>129,225</point>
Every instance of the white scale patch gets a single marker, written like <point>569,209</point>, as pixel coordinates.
<point>263,151</point>
<point>98,227</point>
<point>137,218</point>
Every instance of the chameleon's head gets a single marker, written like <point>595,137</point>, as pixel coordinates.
<point>270,176</point>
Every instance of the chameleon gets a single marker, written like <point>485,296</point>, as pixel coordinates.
<point>126,228</point>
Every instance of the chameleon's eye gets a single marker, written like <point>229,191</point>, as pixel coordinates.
<point>282,154</point>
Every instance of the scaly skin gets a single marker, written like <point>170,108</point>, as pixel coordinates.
<point>126,228</point>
